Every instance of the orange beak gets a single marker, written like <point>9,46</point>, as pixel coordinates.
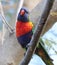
<point>22,12</point>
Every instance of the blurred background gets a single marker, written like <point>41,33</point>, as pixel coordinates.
<point>10,8</point>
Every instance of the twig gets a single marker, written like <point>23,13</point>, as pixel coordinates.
<point>37,33</point>
<point>4,19</point>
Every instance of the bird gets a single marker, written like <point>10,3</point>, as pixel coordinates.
<point>24,32</point>
<point>24,27</point>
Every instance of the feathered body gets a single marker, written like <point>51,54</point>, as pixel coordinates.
<point>23,28</point>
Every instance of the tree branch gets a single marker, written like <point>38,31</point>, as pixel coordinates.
<point>4,19</point>
<point>37,33</point>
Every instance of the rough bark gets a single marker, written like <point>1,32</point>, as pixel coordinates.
<point>37,33</point>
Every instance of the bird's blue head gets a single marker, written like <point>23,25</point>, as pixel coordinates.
<point>23,15</point>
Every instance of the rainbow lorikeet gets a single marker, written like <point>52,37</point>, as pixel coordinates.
<point>24,28</point>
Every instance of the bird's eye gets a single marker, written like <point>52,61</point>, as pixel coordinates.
<point>22,12</point>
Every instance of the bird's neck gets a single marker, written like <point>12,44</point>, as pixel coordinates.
<point>22,21</point>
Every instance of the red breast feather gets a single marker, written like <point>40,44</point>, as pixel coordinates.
<point>23,28</point>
